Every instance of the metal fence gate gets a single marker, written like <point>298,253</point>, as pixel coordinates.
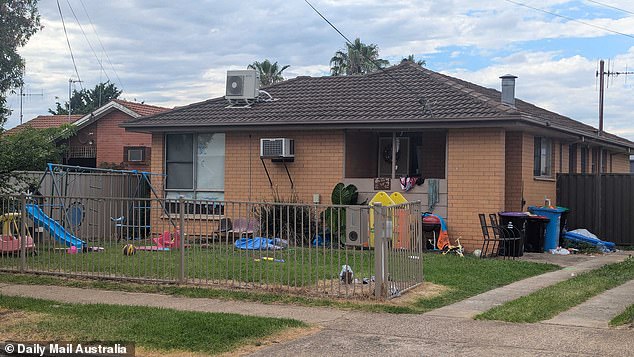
<point>287,247</point>
<point>602,204</point>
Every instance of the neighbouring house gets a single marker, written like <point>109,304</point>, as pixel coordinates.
<point>44,122</point>
<point>478,150</point>
<point>99,140</point>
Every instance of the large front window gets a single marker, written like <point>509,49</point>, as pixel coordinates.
<point>195,165</point>
<point>543,157</point>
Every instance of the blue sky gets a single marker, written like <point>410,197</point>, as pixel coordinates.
<point>175,53</point>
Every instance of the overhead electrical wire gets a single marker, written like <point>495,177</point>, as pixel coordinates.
<point>69,47</point>
<point>422,100</point>
<point>87,40</point>
<point>101,44</point>
<point>570,18</point>
<point>611,7</point>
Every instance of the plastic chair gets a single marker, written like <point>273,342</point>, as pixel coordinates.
<point>244,227</point>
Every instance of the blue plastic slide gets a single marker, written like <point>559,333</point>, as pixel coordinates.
<point>54,229</point>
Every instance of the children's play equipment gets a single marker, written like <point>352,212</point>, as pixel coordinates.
<point>11,240</point>
<point>53,227</point>
<point>62,184</point>
<point>165,242</point>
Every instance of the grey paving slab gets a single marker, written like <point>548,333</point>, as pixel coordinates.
<point>599,310</point>
<point>480,303</point>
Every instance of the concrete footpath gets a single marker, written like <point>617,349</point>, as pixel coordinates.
<point>480,303</point>
<point>438,334</point>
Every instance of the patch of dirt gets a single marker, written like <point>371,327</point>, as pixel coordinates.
<point>282,337</point>
<point>423,291</point>
<point>19,325</point>
<point>251,347</point>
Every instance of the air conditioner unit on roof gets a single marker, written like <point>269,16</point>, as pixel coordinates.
<point>243,84</point>
<point>277,148</point>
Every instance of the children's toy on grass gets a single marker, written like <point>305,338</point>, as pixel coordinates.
<point>129,249</point>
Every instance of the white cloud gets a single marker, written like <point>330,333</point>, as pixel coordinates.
<point>175,53</point>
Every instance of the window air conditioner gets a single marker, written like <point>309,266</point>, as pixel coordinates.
<point>277,148</point>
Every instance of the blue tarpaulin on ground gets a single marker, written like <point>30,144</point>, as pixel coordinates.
<point>260,243</point>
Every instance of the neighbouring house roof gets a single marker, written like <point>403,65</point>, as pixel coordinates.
<point>403,96</point>
<point>135,110</point>
<point>44,122</point>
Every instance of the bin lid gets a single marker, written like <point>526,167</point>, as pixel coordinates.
<point>429,219</point>
<point>547,209</point>
<point>513,214</point>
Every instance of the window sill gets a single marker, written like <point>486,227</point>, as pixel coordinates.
<point>544,178</point>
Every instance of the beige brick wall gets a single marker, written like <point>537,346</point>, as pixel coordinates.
<point>475,179</point>
<point>620,163</point>
<point>513,173</point>
<point>318,166</point>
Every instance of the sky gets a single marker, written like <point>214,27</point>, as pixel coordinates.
<point>173,53</point>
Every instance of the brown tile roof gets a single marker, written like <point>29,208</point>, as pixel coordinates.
<point>141,108</point>
<point>399,95</point>
<point>45,121</point>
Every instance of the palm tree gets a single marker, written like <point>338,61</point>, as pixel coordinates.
<point>411,58</point>
<point>270,73</point>
<point>356,58</point>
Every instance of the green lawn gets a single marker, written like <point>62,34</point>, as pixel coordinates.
<point>150,328</point>
<point>627,317</point>
<point>295,266</point>
<point>463,277</point>
<point>548,302</point>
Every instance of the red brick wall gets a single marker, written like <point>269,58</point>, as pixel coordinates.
<point>475,180</point>
<point>110,139</point>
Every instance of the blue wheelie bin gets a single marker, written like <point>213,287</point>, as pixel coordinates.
<point>551,240</point>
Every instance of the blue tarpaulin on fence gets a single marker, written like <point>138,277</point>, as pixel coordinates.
<point>259,243</point>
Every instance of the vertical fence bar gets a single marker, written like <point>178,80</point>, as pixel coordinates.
<point>380,292</point>
<point>181,275</point>
<point>23,239</point>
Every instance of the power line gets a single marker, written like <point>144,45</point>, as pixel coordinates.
<point>101,44</point>
<point>87,40</point>
<point>69,47</point>
<point>422,100</point>
<point>570,18</point>
<point>610,6</point>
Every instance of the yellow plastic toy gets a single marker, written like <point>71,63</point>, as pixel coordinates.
<point>385,200</point>
<point>11,241</point>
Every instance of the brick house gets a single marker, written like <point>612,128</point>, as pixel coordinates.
<point>483,150</point>
<point>101,142</point>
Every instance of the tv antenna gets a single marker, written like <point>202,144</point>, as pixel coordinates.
<point>602,73</point>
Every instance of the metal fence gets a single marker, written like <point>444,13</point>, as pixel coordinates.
<point>287,247</point>
<point>603,204</point>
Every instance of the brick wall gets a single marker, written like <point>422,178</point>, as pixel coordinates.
<point>317,168</point>
<point>620,163</point>
<point>475,180</point>
<point>110,139</point>
<point>513,171</point>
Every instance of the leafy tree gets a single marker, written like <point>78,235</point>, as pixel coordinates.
<point>87,100</point>
<point>19,20</point>
<point>29,150</point>
<point>270,73</point>
<point>411,58</point>
<point>356,58</point>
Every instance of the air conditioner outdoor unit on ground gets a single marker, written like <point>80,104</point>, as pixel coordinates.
<point>277,148</point>
<point>243,84</point>
<point>357,226</point>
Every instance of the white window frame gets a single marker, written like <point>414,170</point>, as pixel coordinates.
<point>194,192</point>
<point>543,161</point>
<point>139,149</point>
